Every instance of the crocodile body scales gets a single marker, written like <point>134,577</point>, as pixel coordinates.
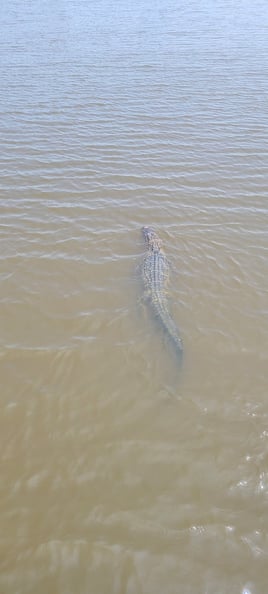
<point>155,276</point>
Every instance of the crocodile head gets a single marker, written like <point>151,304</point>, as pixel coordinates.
<point>151,238</point>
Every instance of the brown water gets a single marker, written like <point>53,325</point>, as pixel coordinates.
<point>119,475</point>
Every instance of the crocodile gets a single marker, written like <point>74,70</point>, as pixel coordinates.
<point>155,276</point>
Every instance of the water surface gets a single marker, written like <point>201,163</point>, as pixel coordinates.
<point>118,476</point>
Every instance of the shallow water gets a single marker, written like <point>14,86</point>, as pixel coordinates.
<point>119,474</point>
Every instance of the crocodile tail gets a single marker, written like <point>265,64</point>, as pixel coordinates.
<point>170,328</point>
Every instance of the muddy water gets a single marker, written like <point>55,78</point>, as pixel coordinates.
<point>119,474</point>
